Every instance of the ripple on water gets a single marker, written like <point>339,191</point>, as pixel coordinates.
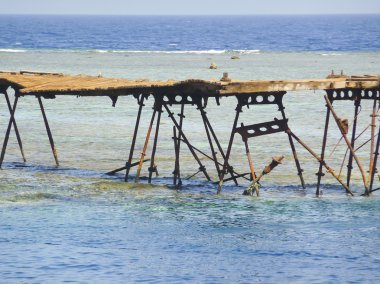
<point>60,225</point>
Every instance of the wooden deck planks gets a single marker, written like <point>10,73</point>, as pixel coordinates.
<point>29,83</point>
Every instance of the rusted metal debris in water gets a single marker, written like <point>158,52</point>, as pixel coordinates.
<point>255,185</point>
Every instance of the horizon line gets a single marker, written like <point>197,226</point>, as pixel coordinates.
<point>193,15</point>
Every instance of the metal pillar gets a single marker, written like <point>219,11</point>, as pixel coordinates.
<point>19,141</point>
<point>213,152</point>
<point>201,166</point>
<point>229,168</point>
<point>128,165</point>
<point>329,105</point>
<point>143,152</point>
<point>320,173</point>
<point>176,162</point>
<point>295,156</point>
<point>225,165</point>
<point>353,137</point>
<point>376,155</point>
<point>6,138</point>
<point>177,148</point>
<point>153,167</point>
<point>51,141</point>
<point>251,167</point>
<point>372,147</point>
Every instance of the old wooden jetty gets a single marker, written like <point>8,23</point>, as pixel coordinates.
<point>197,93</point>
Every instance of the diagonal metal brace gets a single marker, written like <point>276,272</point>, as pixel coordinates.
<point>19,141</point>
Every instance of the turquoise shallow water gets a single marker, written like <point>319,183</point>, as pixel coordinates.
<point>74,224</point>
<point>107,232</point>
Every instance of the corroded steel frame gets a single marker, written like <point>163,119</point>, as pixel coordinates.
<point>355,95</point>
<point>259,129</point>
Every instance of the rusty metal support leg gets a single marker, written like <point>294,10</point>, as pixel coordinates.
<point>376,155</point>
<point>295,156</point>
<point>153,167</point>
<point>143,152</point>
<point>177,171</point>
<point>225,165</point>
<point>320,173</point>
<point>129,163</point>
<point>353,138</point>
<point>215,159</point>
<point>230,169</point>
<point>297,162</point>
<point>6,138</point>
<point>53,149</point>
<point>202,168</point>
<point>176,152</point>
<point>19,141</point>
<point>329,170</point>
<point>251,167</point>
<point>372,147</point>
<point>336,118</point>
<point>254,187</point>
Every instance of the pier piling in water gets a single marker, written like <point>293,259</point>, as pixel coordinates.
<point>4,91</point>
<point>197,93</point>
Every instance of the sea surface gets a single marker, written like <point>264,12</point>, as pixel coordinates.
<point>76,224</point>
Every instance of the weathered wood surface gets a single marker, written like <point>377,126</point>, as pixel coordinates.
<point>42,83</point>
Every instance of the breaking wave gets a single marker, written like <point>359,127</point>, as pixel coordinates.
<point>12,50</point>
<point>331,54</point>
<point>209,51</point>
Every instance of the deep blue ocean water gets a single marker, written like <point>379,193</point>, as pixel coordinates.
<point>73,224</point>
<point>192,33</point>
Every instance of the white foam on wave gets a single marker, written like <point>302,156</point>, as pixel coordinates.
<point>164,51</point>
<point>101,51</point>
<point>209,51</point>
<point>331,54</point>
<point>11,50</point>
<point>247,51</point>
